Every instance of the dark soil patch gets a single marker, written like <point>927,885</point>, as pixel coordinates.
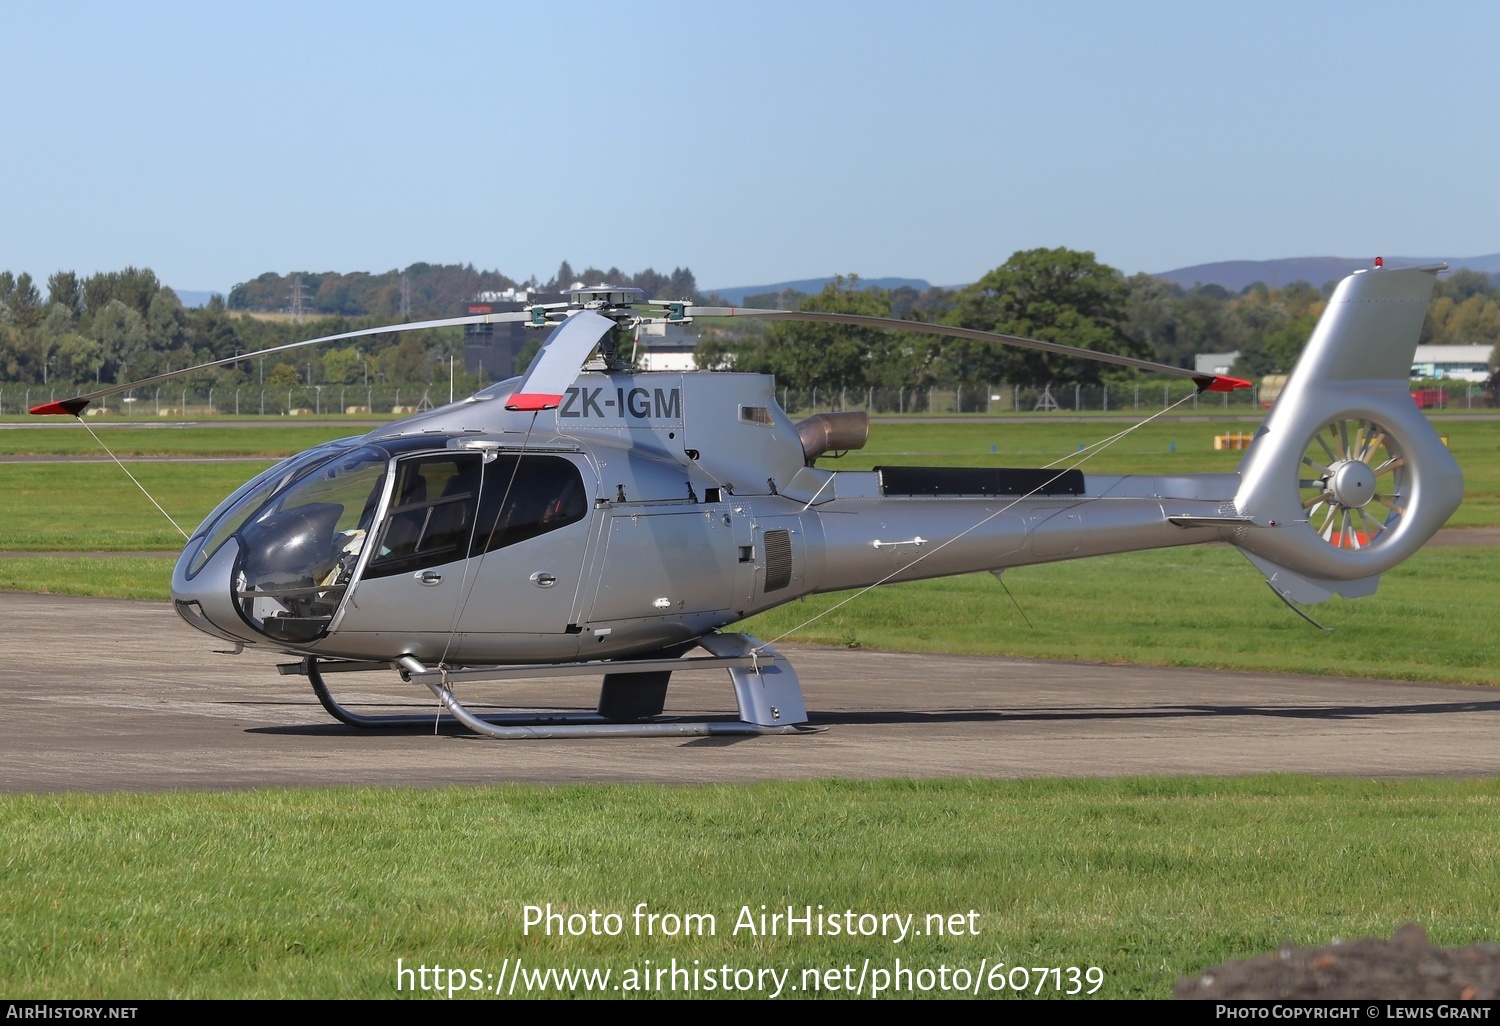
<point>1406,966</point>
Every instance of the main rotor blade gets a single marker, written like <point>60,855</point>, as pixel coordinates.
<point>75,405</point>
<point>1205,382</point>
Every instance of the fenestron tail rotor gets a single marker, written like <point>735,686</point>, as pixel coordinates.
<point>1354,483</point>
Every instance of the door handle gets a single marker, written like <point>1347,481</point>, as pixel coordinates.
<point>542,579</point>
<point>428,577</point>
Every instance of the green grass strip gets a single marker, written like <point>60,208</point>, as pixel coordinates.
<point>318,893</point>
<point>274,438</point>
<point>132,577</point>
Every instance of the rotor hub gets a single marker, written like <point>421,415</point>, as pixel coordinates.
<point>1352,483</point>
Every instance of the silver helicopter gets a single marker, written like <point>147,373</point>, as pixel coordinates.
<point>588,519</point>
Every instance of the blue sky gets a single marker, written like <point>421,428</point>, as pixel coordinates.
<point>752,143</point>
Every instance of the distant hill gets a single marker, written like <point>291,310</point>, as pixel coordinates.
<point>736,295</point>
<point>1234,275</point>
<point>1230,274</point>
<point>193,299</point>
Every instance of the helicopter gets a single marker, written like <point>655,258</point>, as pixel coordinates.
<point>586,518</point>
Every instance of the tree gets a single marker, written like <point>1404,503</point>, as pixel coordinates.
<point>829,355</point>
<point>343,366</point>
<point>1464,284</point>
<point>1055,295</point>
<point>64,289</point>
<point>1208,323</point>
<point>57,321</point>
<point>134,286</point>
<point>1476,321</point>
<point>528,353</point>
<point>78,358</point>
<point>1471,321</point>
<point>25,303</point>
<point>407,361</point>
<point>1277,351</point>
<point>563,279</point>
<point>283,375</point>
<point>1152,319</point>
<point>166,321</point>
<point>715,351</point>
<point>121,334</point>
<point>682,285</point>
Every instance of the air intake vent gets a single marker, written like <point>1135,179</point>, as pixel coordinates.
<point>778,559</point>
<point>755,415</point>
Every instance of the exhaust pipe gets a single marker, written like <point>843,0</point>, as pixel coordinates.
<point>833,432</point>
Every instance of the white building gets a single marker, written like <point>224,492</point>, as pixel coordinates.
<point>669,347</point>
<point>1214,363</point>
<point>1457,363</point>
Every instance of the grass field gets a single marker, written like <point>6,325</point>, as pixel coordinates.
<point>272,438</point>
<point>317,893</point>
<point>240,895</point>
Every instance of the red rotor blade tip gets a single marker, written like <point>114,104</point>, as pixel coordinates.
<point>61,408</point>
<point>528,402</point>
<point>1224,383</point>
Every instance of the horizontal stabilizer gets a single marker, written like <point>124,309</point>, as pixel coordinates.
<point>1310,590</point>
<point>1194,520</point>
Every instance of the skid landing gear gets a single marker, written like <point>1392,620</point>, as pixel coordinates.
<point>766,689</point>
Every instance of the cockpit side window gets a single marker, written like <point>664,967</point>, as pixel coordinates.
<point>299,549</point>
<point>248,499</point>
<point>432,513</point>
<point>527,495</point>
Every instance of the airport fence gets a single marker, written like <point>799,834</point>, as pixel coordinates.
<point>301,400</point>
<point>1130,397</point>
<point>922,400</point>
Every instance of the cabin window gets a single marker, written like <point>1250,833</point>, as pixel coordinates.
<point>451,506</point>
<point>432,513</point>
<point>526,495</point>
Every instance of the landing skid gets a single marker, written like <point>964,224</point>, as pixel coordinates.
<point>766,690</point>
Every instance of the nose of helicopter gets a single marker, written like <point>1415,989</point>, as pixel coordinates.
<point>206,598</point>
<point>275,559</point>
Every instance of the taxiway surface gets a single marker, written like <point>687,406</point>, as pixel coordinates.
<point>102,694</point>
